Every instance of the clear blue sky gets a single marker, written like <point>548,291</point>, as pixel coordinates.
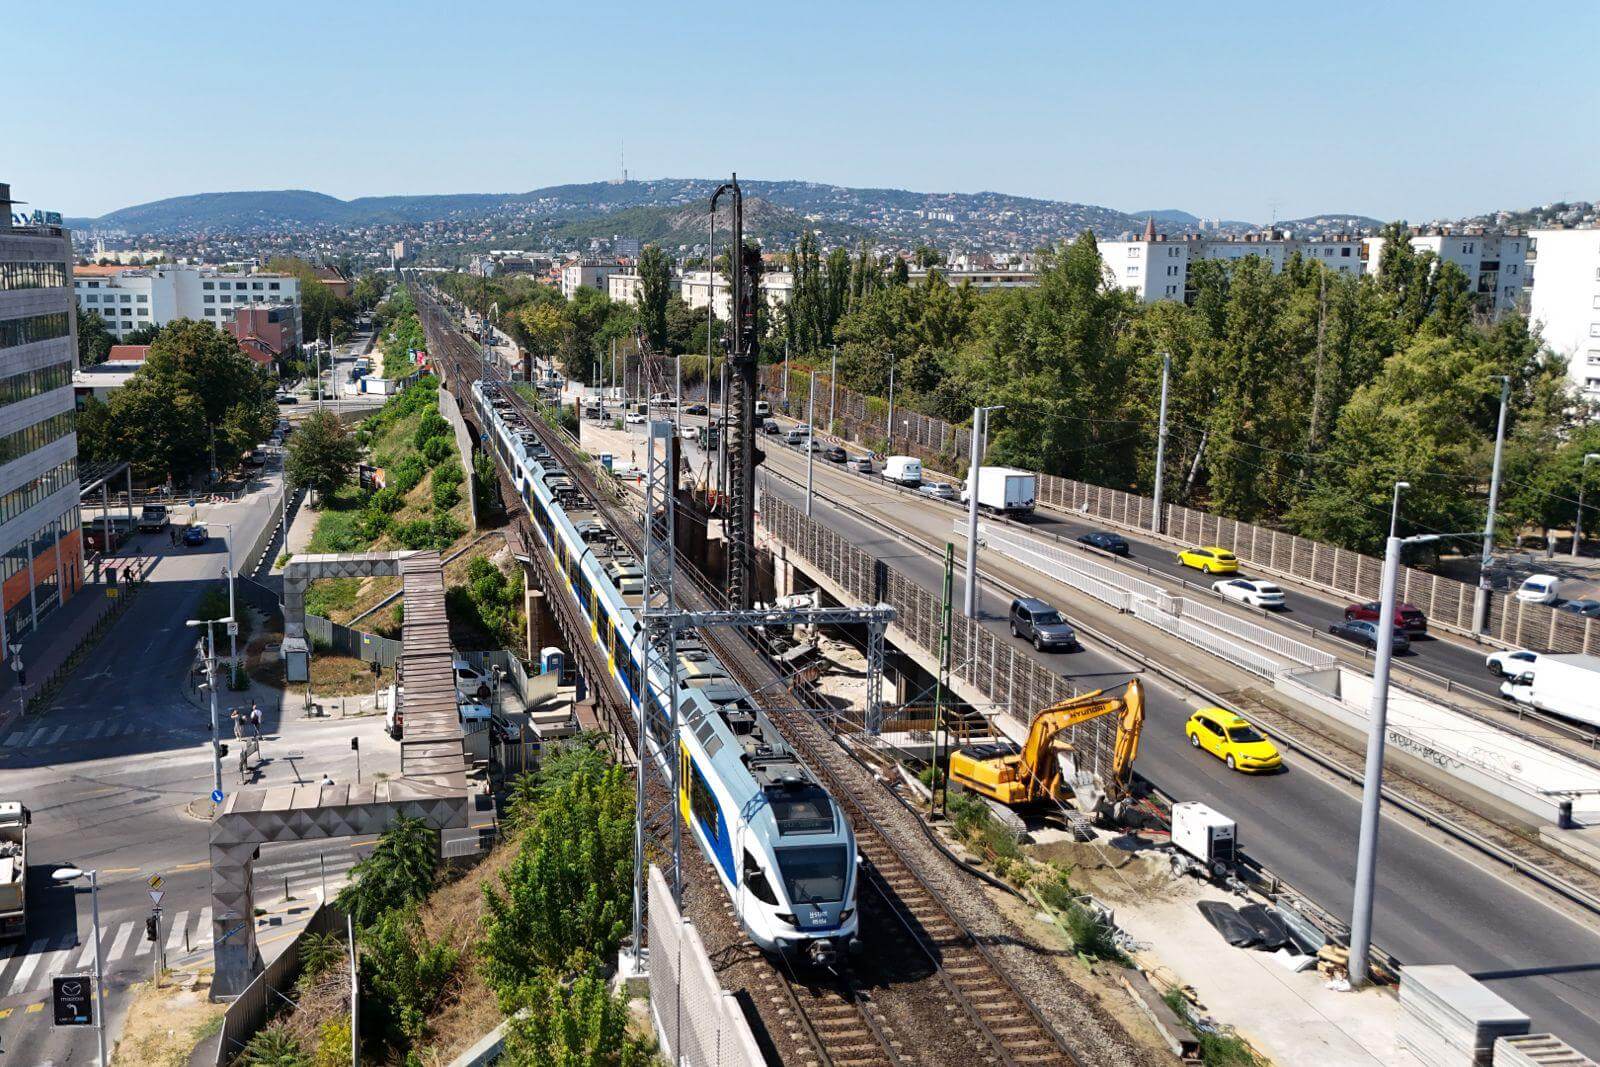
<point>1419,110</point>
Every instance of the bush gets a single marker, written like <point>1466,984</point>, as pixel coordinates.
<point>432,425</point>
<point>388,500</point>
<point>399,872</point>
<point>371,524</point>
<point>406,474</point>
<point>404,976</point>
<point>438,449</point>
<point>333,1044</point>
<point>319,953</point>
<point>445,495</point>
<point>577,1024</point>
<point>274,1046</point>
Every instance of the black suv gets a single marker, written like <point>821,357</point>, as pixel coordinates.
<point>1105,541</point>
<point>836,454</point>
<point>1042,624</point>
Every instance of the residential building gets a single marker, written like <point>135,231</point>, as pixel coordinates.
<point>623,286</point>
<point>586,272</point>
<point>1565,302</point>
<point>272,331</point>
<point>337,283</point>
<point>41,546</point>
<point>1152,267</point>
<point>130,297</point>
<point>127,354</point>
<point>397,251</point>
<point>100,381</point>
<point>1496,265</point>
<point>698,288</point>
<point>984,279</point>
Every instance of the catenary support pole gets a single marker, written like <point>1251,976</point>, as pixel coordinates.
<point>1372,785</point>
<point>1480,598</point>
<point>969,606</point>
<point>1161,445</point>
<point>811,439</point>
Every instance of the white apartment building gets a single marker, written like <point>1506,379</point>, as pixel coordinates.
<point>699,288</point>
<point>623,286</point>
<point>1496,264</point>
<point>1157,268</point>
<point>984,280</point>
<point>1565,303</point>
<point>130,297</point>
<point>586,272</point>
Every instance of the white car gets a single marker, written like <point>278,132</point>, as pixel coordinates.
<point>635,418</point>
<point>1257,594</point>
<point>1509,662</point>
<point>942,490</point>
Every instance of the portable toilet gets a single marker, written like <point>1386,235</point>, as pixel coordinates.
<point>605,460</point>
<point>552,660</point>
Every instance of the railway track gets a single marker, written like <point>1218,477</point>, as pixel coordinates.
<point>923,975</point>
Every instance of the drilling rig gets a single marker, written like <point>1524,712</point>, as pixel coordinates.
<point>742,347</point>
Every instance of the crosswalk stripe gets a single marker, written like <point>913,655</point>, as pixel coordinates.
<point>94,730</point>
<point>121,942</point>
<point>86,957</point>
<point>14,738</point>
<point>144,944</point>
<point>57,735</point>
<point>58,963</point>
<point>36,736</point>
<point>175,937</point>
<point>19,981</point>
<point>202,936</point>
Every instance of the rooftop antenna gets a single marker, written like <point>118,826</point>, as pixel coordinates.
<point>623,155</point>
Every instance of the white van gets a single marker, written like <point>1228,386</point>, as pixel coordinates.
<point>907,470</point>
<point>691,433</point>
<point>1539,589</point>
<point>763,408</point>
<point>798,435</point>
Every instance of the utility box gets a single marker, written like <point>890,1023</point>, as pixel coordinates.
<point>296,659</point>
<point>1207,835</point>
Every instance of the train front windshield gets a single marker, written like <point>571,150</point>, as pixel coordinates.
<point>814,874</point>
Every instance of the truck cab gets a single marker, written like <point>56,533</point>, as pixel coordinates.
<point>14,819</point>
<point>154,518</point>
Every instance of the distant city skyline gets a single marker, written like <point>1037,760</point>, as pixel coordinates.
<point>1402,111</point>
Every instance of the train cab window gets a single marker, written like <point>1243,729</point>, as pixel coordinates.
<point>803,810</point>
<point>755,880</point>
<point>813,874</point>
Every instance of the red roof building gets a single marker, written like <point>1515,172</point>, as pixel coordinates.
<point>127,353</point>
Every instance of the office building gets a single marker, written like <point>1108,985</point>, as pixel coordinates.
<point>1564,305</point>
<point>41,544</point>
<point>130,297</point>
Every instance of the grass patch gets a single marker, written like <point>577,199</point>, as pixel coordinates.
<point>331,596</point>
<point>1217,1049</point>
<point>344,676</point>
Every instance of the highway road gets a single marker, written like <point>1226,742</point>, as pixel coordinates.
<point>108,771</point>
<point>1433,905</point>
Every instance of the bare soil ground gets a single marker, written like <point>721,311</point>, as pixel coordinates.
<point>165,1025</point>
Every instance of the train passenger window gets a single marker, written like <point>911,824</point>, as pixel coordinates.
<point>702,803</point>
<point>755,880</point>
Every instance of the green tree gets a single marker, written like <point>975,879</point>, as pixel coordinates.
<point>322,455</point>
<point>400,871</point>
<point>404,976</point>
<point>655,287</point>
<point>580,1024</point>
<point>94,340</point>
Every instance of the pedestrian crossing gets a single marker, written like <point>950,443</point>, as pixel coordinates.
<point>28,965</point>
<point>28,736</point>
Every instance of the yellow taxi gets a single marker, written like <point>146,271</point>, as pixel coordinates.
<point>1209,559</point>
<point>1232,740</point>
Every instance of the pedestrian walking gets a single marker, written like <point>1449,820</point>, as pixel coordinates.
<point>255,717</point>
<point>238,725</point>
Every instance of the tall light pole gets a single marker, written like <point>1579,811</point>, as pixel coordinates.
<point>1161,445</point>
<point>786,375</point>
<point>72,874</point>
<point>233,635</point>
<point>889,450</point>
<point>211,679</point>
<point>833,387</point>
<point>811,440</point>
<point>980,436</point>
<point>1577,525</point>
<point>1480,599</point>
<point>1394,510</point>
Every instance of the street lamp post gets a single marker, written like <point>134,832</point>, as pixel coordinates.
<point>1480,599</point>
<point>1577,525</point>
<point>72,874</point>
<point>233,631</point>
<point>980,438</point>
<point>211,679</point>
<point>890,425</point>
<point>811,437</point>
<point>1394,511</point>
<point>1161,446</point>
<point>833,387</point>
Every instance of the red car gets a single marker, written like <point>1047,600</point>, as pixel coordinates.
<point>1406,617</point>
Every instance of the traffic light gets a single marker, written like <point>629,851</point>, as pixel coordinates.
<point>222,749</point>
<point>152,929</point>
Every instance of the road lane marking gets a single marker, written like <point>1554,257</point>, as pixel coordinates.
<point>19,981</point>
<point>180,922</point>
<point>5,1013</point>
<point>121,944</point>
<point>34,1009</point>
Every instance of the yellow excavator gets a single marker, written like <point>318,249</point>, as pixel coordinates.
<point>1017,779</point>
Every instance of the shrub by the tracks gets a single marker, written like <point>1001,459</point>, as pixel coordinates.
<point>577,1022</point>
<point>401,871</point>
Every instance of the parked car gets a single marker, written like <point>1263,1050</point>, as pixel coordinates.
<point>941,490</point>
<point>471,682</point>
<point>1510,662</point>
<point>1036,621</point>
<point>797,435</point>
<point>195,535</point>
<point>1539,589</point>
<point>1406,617</point>
<point>1366,633</point>
<point>1209,559</point>
<point>771,427</point>
<point>860,464</point>
<point>286,398</point>
<point>1233,740</point>
<point>836,454</point>
<point>1105,541</point>
<point>1251,591</point>
<point>1589,609</point>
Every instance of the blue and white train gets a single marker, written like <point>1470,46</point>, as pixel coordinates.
<point>782,847</point>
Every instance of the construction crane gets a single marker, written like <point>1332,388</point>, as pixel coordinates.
<point>1034,774</point>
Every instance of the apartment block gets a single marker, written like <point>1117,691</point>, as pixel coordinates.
<point>1564,305</point>
<point>41,544</point>
<point>1156,267</point>
<point>591,273</point>
<point>1496,264</point>
<point>699,288</point>
<point>130,297</point>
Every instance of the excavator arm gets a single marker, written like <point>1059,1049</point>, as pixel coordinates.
<point>1039,770</point>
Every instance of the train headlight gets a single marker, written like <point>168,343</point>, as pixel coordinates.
<point>844,916</point>
<point>786,917</point>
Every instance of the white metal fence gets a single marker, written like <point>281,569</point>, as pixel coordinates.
<point>698,1023</point>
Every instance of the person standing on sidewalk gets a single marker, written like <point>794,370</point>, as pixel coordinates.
<point>238,724</point>
<point>255,718</point>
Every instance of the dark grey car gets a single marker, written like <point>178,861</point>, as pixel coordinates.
<point>1036,621</point>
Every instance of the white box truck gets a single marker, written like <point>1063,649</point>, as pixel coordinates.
<point>1566,684</point>
<point>1005,490</point>
<point>14,820</point>
<point>907,470</point>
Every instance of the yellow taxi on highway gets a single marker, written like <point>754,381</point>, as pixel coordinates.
<point>1209,559</point>
<point>1233,740</point>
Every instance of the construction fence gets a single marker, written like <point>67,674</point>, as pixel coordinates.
<point>1015,684</point>
<point>1447,602</point>
<point>696,1020</point>
<point>343,641</point>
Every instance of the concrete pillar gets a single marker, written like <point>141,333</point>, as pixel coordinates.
<point>782,573</point>
<point>233,924</point>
